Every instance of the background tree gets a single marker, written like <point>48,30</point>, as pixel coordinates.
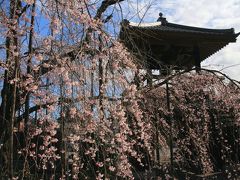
<point>205,116</point>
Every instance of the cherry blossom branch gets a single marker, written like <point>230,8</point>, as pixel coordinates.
<point>215,72</point>
<point>235,82</point>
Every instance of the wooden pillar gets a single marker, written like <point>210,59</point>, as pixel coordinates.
<point>149,77</point>
<point>196,55</point>
<point>171,128</point>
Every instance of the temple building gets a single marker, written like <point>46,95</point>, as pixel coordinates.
<point>171,47</point>
<point>163,45</point>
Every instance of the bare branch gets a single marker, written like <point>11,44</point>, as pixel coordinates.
<point>105,4</point>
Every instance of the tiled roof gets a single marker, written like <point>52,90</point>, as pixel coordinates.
<point>167,42</point>
<point>180,28</point>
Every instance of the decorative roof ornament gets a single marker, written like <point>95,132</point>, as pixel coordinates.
<point>162,19</point>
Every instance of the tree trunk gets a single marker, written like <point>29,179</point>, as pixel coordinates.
<point>9,95</point>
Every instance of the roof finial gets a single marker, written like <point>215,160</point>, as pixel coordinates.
<point>160,14</point>
<point>162,19</point>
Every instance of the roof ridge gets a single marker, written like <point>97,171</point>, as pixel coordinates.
<point>230,30</point>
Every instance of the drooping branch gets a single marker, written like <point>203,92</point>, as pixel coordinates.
<point>215,72</point>
<point>235,82</point>
<point>23,10</point>
<point>61,100</point>
<point>30,47</point>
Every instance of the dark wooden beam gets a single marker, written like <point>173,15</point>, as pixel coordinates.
<point>196,55</point>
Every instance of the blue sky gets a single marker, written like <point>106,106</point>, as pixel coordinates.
<point>222,14</point>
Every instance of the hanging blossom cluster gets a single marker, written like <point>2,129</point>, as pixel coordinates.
<point>205,116</point>
<point>84,115</point>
